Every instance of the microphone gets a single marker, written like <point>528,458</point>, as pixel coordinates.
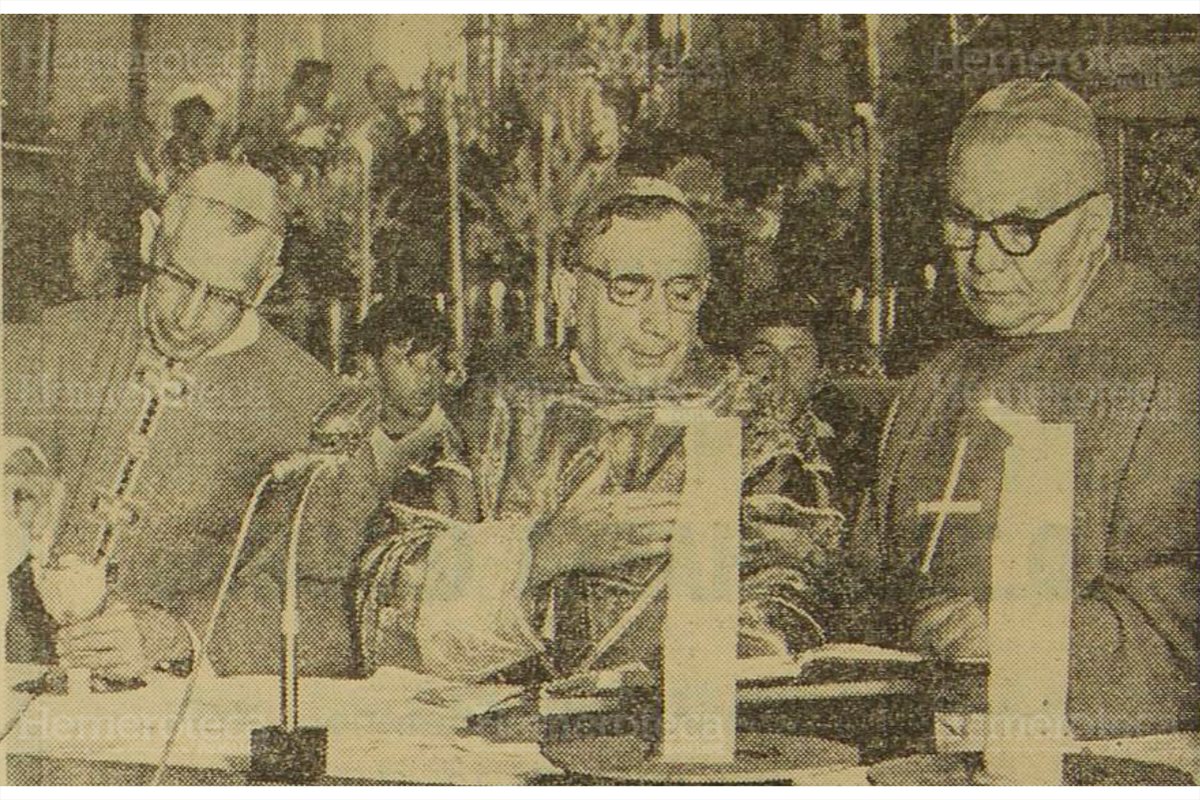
<point>347,420</point>
<point>297,463</point>
<point>201,652</point>
<point>286,752</point>
<point>282,470</point>
<point>289,753</point>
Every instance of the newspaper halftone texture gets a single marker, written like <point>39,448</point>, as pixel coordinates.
<point>515,399</point>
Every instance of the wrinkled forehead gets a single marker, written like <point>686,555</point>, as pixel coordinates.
<point>217,243</point>
<point>661,247</point>
<point>1027,168</point>
<point>784,338</point>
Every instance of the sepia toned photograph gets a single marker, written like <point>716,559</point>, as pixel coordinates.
<point>600,399</point>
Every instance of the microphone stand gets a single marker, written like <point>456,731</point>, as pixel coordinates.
<point>198,658</point>
<point>288,752</point>
<point>285,753</point>
<point>276,743</point>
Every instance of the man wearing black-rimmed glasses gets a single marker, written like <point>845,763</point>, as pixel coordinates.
<point>1075,337</point>
<point>578,486</point>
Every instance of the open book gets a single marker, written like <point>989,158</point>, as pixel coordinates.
<point>830,663</point>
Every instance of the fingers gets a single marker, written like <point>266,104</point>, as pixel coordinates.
<point>649,533</point>
<point>615,514</point>
<point>108,623</point>
<point>638,499</point>
<point>110,664</point>
<point>113,629</point>
<point>644,551</point>
<point>953,628</point>
<point>97,652</point>
<point>109,644</point>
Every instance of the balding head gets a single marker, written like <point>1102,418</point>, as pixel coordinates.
<point>1027,153</point>
<point>1043,137</point>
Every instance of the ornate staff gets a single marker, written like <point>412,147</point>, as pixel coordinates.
<point>867,111</point>
<point>457,290</point>
<point>541,276</point>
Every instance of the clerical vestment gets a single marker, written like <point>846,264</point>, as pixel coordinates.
<point>1125,375</point>
<point>447,598</point>
<point>159,462</point>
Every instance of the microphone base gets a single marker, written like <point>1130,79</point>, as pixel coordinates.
<point>279,755</point>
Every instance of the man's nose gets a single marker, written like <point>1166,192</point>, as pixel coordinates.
<point>193,307</point>
<point>986,255</point>
<point>655,314</point>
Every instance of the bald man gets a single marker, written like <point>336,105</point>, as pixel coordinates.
<point>1074,337</point>
<point>159,411</point>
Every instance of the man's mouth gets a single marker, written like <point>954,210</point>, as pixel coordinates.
<point>651,358</point>
<point>989,293</point>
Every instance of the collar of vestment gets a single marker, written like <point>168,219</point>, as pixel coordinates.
<point>702,375</point>
<point>245,334</point>
<point>1123,298</point>
<point>388,450</point>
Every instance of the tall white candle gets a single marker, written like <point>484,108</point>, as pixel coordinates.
<point>700,630</point>
<point>1029,615</point>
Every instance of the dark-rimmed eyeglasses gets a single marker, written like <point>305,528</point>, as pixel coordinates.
<point>683,293</point>
<point>1014,234</point>
<point>190,282</point>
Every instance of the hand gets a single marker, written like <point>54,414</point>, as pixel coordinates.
<point>777,531</point>
<point>602,531</point>
<point>123,642</point>
<point>950,627</point>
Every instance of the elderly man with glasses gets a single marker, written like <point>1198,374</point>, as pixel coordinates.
<point>1073,337</point>
<point>578,487</point>
<point>158,412</point>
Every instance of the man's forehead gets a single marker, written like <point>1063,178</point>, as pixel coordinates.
<point>661,247</point>
<point>783,337</point>
<point>1031,171</point>
<point>220,245</point>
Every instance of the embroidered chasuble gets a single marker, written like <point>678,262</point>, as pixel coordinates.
<point>1125,376</point>
<point>443,597</point>
<point>159,461</point>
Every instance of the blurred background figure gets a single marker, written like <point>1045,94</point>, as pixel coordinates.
<point>113,186</point>
<point>391,154</point>
<point>194,109</point>
<point>324,190</point>
<point>308,95</point>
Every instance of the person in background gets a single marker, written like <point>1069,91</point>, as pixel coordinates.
<point>406,351</point>
<point>193,112</point>
<point>113,186</point>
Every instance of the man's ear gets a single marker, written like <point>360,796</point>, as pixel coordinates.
<point>1099,220</point>
<point>267,282</point>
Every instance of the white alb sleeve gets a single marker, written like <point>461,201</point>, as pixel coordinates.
<point>471,621</point>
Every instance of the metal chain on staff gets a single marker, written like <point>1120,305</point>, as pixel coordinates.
<point>162,383</point>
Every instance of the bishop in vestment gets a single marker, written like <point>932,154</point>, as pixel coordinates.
<point>578,485</point>
<point>1073,337</point>
<point>160,411</point>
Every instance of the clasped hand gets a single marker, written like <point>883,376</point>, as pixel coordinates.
<point>123,641</point>
<point>599,532</point>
